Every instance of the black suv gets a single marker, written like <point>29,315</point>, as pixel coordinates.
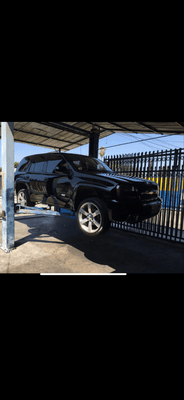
<point>86,186</point>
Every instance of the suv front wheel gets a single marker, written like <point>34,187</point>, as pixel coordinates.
<point>92,216</point>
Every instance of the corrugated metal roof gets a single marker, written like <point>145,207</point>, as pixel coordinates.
<point>69,135</point>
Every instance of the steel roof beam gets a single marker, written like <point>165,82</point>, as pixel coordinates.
<point>102,129</point>
<point>149,127</point>
<point>43,136</point>
<point>45,145</point>
<point>35,144</point>
<point>66,127</point>
<point>131,130</point>
<point>122,127</point>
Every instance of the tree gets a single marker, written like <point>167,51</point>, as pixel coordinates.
<point>16,164</point>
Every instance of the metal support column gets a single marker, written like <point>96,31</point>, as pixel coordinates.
<point>7,139</point>
<point>93,142</point>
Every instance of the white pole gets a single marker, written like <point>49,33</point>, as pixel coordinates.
<point>7,142</point>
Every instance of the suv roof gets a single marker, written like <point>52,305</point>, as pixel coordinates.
<point>52,155</point>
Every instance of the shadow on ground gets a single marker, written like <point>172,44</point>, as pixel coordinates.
<point>123,252</point>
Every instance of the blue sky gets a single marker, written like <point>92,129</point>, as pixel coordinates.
<point>158,143</point>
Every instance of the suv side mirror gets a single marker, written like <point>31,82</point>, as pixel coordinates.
<point>60,169</point>
<point>63,169</point>
<point>56,169</point>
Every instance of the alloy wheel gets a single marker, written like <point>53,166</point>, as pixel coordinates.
<point>90,217</point>
<point>21,198</point>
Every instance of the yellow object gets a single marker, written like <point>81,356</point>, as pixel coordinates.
<point>165,183</point>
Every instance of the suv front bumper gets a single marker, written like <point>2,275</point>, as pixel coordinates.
<point>134,212</point>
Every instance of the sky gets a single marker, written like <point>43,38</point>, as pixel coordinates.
<point>119,139</point>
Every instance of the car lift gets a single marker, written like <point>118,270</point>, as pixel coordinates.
<point>21,209</point>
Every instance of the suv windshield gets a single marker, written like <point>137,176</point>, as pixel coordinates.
<point>84,164</point>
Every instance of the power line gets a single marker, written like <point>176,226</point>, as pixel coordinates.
<point>165,144</point>
<point>160,140</point>
<point>141,140</point>
<point>145,144</point>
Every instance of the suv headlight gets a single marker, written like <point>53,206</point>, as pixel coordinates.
<point>125,188</point>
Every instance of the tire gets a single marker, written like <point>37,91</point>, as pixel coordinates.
<point>92,216</point>
<point>23,198</point>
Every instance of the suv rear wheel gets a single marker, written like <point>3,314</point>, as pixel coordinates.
<point>23,198</point>
<point>92,216</point>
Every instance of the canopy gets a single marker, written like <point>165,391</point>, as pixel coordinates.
<point>69,135</point>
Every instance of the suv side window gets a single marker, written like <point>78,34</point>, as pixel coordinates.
<point>52,164</point>
<point>32,167</point>
<point>39,164</point>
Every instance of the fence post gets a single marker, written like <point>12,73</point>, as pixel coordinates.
<point>120,163</point>
<point>137,172</point>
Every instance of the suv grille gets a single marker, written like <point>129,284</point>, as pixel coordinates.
<point>149,196</point>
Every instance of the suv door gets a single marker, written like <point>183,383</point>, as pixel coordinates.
<point>59,183</point>
<point>20,175</point>
<point>37,178</point>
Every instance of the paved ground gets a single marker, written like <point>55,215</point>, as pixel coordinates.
<point>56,245</point>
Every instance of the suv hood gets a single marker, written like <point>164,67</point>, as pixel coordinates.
<point>124,179</point>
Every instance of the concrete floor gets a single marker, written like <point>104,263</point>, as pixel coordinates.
<point>56,245</point>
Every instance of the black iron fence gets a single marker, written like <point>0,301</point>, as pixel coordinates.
<point>167,169</point>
